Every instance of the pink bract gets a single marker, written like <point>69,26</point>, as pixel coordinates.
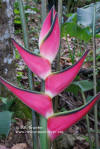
<point>46,25</point>
<point>57,82</point>
<point>39,102</point>
<point>39,65</point>
<point>50,36</point>
<point>56,125</point>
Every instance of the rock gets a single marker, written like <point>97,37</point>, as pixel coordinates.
<point>20,146</point>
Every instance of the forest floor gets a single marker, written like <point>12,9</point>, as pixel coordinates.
<point>76,137</point>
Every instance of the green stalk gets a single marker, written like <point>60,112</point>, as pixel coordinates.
<point>87,121</point>
<point>43,10</point>
<point>60,19</point>
<point>58,58</point>
<point>93,131</point>
<point>25,36</point>
<point>58,55</point>
<point>94,78</point>
<point>44,142</point>
<point>43,133</point>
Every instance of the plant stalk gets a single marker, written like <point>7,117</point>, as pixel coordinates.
<point>30,77</point>
<point>87,121</point>
<point>60,20</point>
<point>58,55</point>
<point>43,133</point>
<point>44,141</point>
<point>94,78</point>
<point>43,10</point>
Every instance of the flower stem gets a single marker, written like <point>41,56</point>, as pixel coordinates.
<point>43,10</point>
<point>25,36</point>
<point>58,55</point>
<point>43,133</point>
<point>94,78</point>
<point>44,142</point>
<point>60,19</point>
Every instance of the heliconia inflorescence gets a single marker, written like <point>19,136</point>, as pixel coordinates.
<point>55,83</point>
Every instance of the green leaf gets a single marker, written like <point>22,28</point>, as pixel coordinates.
<point>72,17</point>
<point>16,5</point>
<point>27,7</point>
<point>73,89</point>
<point>4,100</point>
<point>73,30</point>
<point>17,22</point>
<point>21,110</point>
<point>78,86</point>
<point>85,16</point>
<point>6,103</point>
<point>5,122</point>
<point>16,11</point>
<point>84,85</point>
<point>36,9</point>
<point>17,55</point>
